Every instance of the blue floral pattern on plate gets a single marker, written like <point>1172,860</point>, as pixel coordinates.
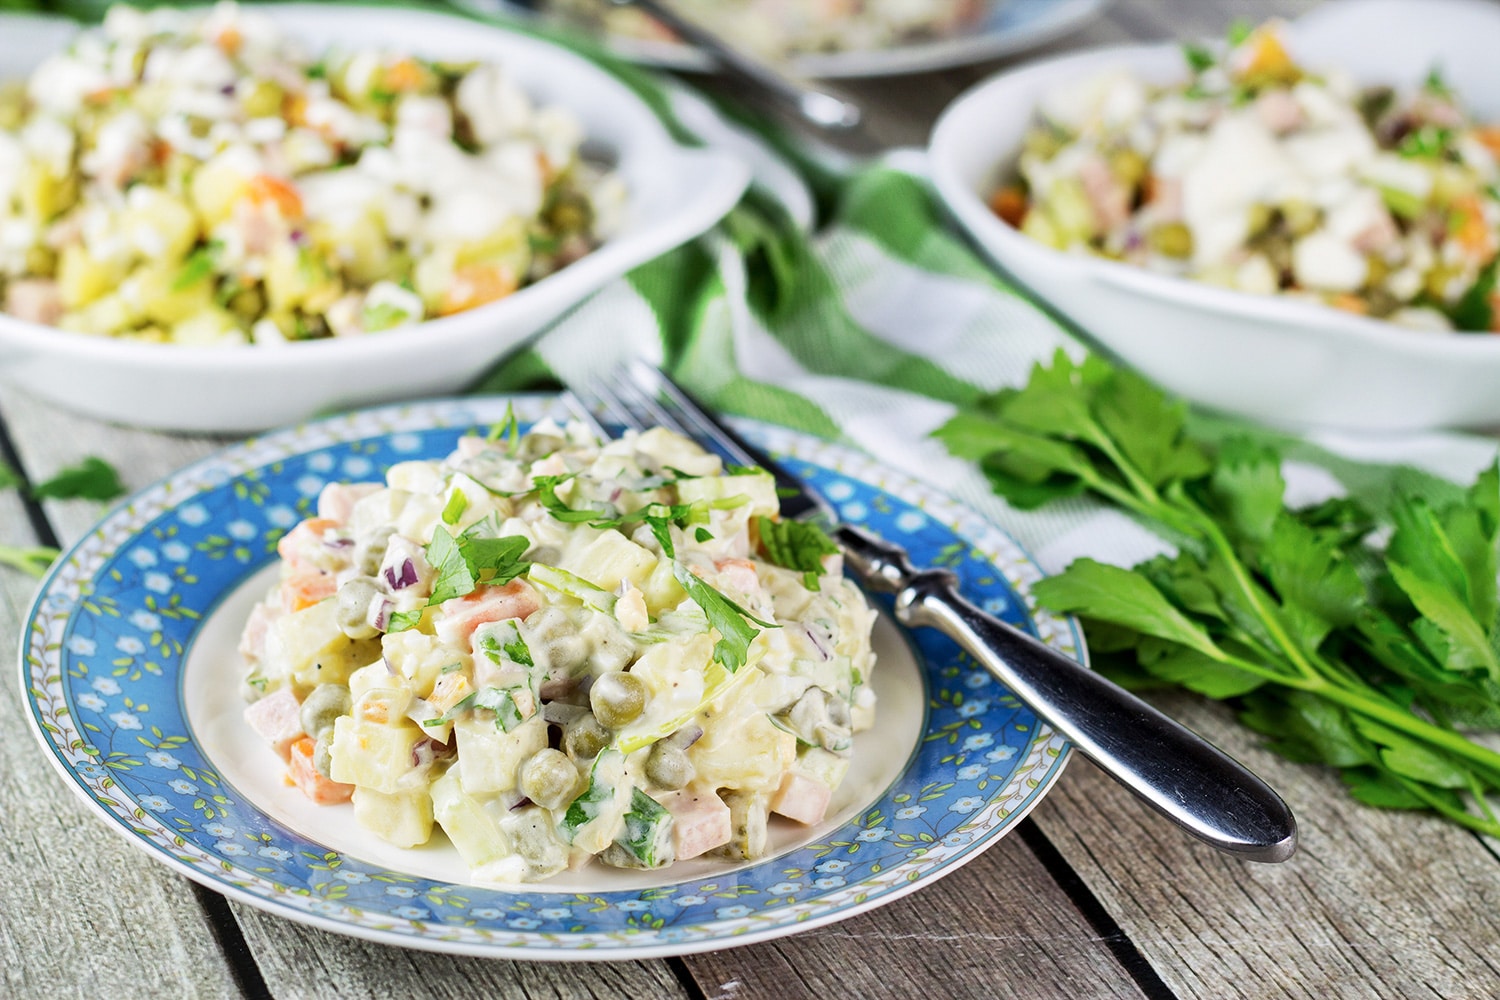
<point>106,641</point>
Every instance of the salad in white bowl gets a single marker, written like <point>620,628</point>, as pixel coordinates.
<point>199,177</point>
<point>1299,226</point>
<point>557,649</point>
<point>222,219</point>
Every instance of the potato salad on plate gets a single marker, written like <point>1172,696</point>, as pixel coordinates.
<point>196,177</point>
<point>556,649</point>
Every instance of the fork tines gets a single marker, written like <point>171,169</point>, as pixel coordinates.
<point>639,396</point>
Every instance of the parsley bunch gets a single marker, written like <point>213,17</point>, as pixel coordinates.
<point>1371,658</point>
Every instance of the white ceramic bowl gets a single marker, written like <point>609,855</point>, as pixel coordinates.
<point>1276,360</point>
<point>674,194</point>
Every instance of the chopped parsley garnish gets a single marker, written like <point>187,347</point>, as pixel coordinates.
<point>1198,57</point>
<point>198,266</point>
<point>796,545</point>
<point>732,621</point>
<point>474,558</point>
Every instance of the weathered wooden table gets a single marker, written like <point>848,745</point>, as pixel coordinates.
<point>1093,896</point>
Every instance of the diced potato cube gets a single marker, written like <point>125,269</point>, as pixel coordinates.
<point>214,189</point>
<point>474,830</point>
<point>374,756</point>
<point>661,589</point>
<point>611,558</point>
<point>209,327</point>
<point>404,820</point>
<point>82,278</point>
<point>488,756</point>
<point>158,225</point>
<point>759,490</point>
<point>155,287</point>
<point>421,659</point>
<point>678,452</point>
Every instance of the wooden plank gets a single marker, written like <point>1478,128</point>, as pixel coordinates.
<point>1374,903</point>
<point>294,960</point>
<point>1000,926</point>
<point>311,964</point>
<point>82,913</point>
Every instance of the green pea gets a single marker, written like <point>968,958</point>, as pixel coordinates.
<point>322,758</point>
<point>1171,239</point>
<point>584,737</point>
<point>326,703</point>
<point>668,767</point>
<point>617,699</point>
<point>370,552</point>
<point>549,779</point>
<point>353,614</point>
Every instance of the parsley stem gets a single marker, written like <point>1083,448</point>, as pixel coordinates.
<point>1370,704</point>
<point>1211,533</point>
<point>1460,816</point>
<point>33,560</point>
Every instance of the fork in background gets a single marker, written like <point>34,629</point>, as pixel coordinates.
<point>1184,777</point>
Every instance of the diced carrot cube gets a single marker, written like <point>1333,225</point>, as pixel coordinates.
<point>477,285</point>
<point>303,590</point>
<point>264,188</point>
<point>323,791</point>
<point>1009,203</point>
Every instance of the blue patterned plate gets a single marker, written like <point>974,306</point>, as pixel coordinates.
<point>129,669</point>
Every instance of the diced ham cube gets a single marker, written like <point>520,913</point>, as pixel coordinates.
<point>337,500</point>
<point>293,547</point>
<point>801,798</point>
<point>700,822</point>
<point>36,300</point>
<point>323,791</point>
<point>739,574</point>
<point>459,617</point>
<point>275,719</point>
<point>1107,196</point>
<point>1279,111</point>
<point>253,639</point>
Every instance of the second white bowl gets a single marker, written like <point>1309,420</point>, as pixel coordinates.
<point>1276,360</point>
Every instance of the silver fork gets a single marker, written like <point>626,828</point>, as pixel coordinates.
<point>1181,775</point>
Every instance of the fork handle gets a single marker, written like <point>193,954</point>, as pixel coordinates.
<point>1189,780</point>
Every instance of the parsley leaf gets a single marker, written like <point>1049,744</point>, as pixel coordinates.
<point>732,621</point>
<point>1475,309</point>
<point>1199,57</point>
<point>9,477</point>
<point>455,577</point>
<point>91,479</point>
<point>796,545</point>
<point>400,621</point>
<point>198,266</point>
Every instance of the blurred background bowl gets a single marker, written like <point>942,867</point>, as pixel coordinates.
<point>674,193</point>
<point>1273,359</point>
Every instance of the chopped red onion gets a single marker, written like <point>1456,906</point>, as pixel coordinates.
<point>406,579</point>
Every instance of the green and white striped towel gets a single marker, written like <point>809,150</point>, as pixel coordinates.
<point>873,329</point>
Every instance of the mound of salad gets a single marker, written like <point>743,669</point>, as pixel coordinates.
<point>196,177</point>
<point>780,28</point>
<point>556,649</point>
<point>1259,174</point>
